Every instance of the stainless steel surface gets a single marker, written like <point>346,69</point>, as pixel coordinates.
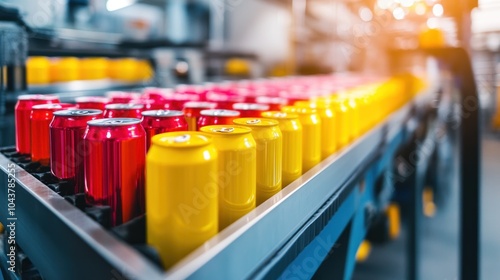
<point>44,220</point>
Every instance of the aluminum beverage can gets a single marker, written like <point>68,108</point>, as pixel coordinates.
<point>66,144</point>
<point>269,142</point>
<point>41,116</point>
<point>275,102</point>
<point>236,173</point>
<point>250,110</point>
<point>192,112</point>
<point>291,129</point>
<point>150,104</point>
<point>177,100</point>
<point>114,156</point>
<point>328,126</point>
<point>311,136</point>
<point>160,121</point>
<point>22,118</point>
<point>224,100</point>
<point>181,193</point>
<point>123,110</point>
<point>217,116</point>
<point>343,120</point>
<point>119,97</point>
<point>92,102</point>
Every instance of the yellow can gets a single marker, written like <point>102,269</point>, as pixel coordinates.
<point>38,70</point>
<point>94,68</point>
<point>328,126</point>
<point>311,136</point>
<point>65,69</point>
<point>343,120</point>
<point>237,171</point>
<point>291,129</point>
<point>181,193</point>
<point>269,141</point>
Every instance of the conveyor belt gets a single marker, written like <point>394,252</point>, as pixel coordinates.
<point>64,243</point>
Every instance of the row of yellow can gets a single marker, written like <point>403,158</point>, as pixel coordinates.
<point>198,183</point>
<point>44,70</point>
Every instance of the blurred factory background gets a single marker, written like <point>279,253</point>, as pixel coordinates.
<point>80,47</point>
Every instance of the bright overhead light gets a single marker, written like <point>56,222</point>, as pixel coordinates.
<point>398,13</point>
<point>384,4</point>
<point>407,3</point>
<point>438,10</point>
<point>113,5</point>
<point>365,14</point>
<point>420,9</point>
<point>432,23</point>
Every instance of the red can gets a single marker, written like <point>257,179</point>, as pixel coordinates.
<point>123,110</point>
<point>156,93</point>
<point>159,121</point>
<point>122,96</point>
<point>177,100</point>
<point>115,152</point>
<point>151,104</point>
<point>275,103</point>
<point>250,110</point>
<point>92,102</point>
<point>66,144</point>
<point>224,100</point>
<point>213,117</point>
<point>192,112</point>
<point>41,116</point>
<point>22,118</point>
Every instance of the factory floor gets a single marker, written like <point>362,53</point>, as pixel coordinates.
<point>439,245</point>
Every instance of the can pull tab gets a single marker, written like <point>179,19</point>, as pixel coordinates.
<point>115,122</point>
<point>219,112</point>
<point>225,129</point>
<point>182,139</point>
<point>80,112</point>
<point>161,113</point>
<point>256,121</point>
<point>280,115</point>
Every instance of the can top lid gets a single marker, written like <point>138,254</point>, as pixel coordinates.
<point>114,122</point>
<point>37,97</point>
<point>162,113</point>
<point>315,104</point>
<point>256,122</point>
<point>299,110</point>
<point>225,129</point>
<point>220,113</point>
<point>271,100</point>
<point>250,106</point>
<point>200,104</point>
<point>112,94</point>
<point>78,112</point>
<point>181,139</point>
<point>124,106</point>
<point>99,99</point>
<point>279,115</point>
<point>53,106</point>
